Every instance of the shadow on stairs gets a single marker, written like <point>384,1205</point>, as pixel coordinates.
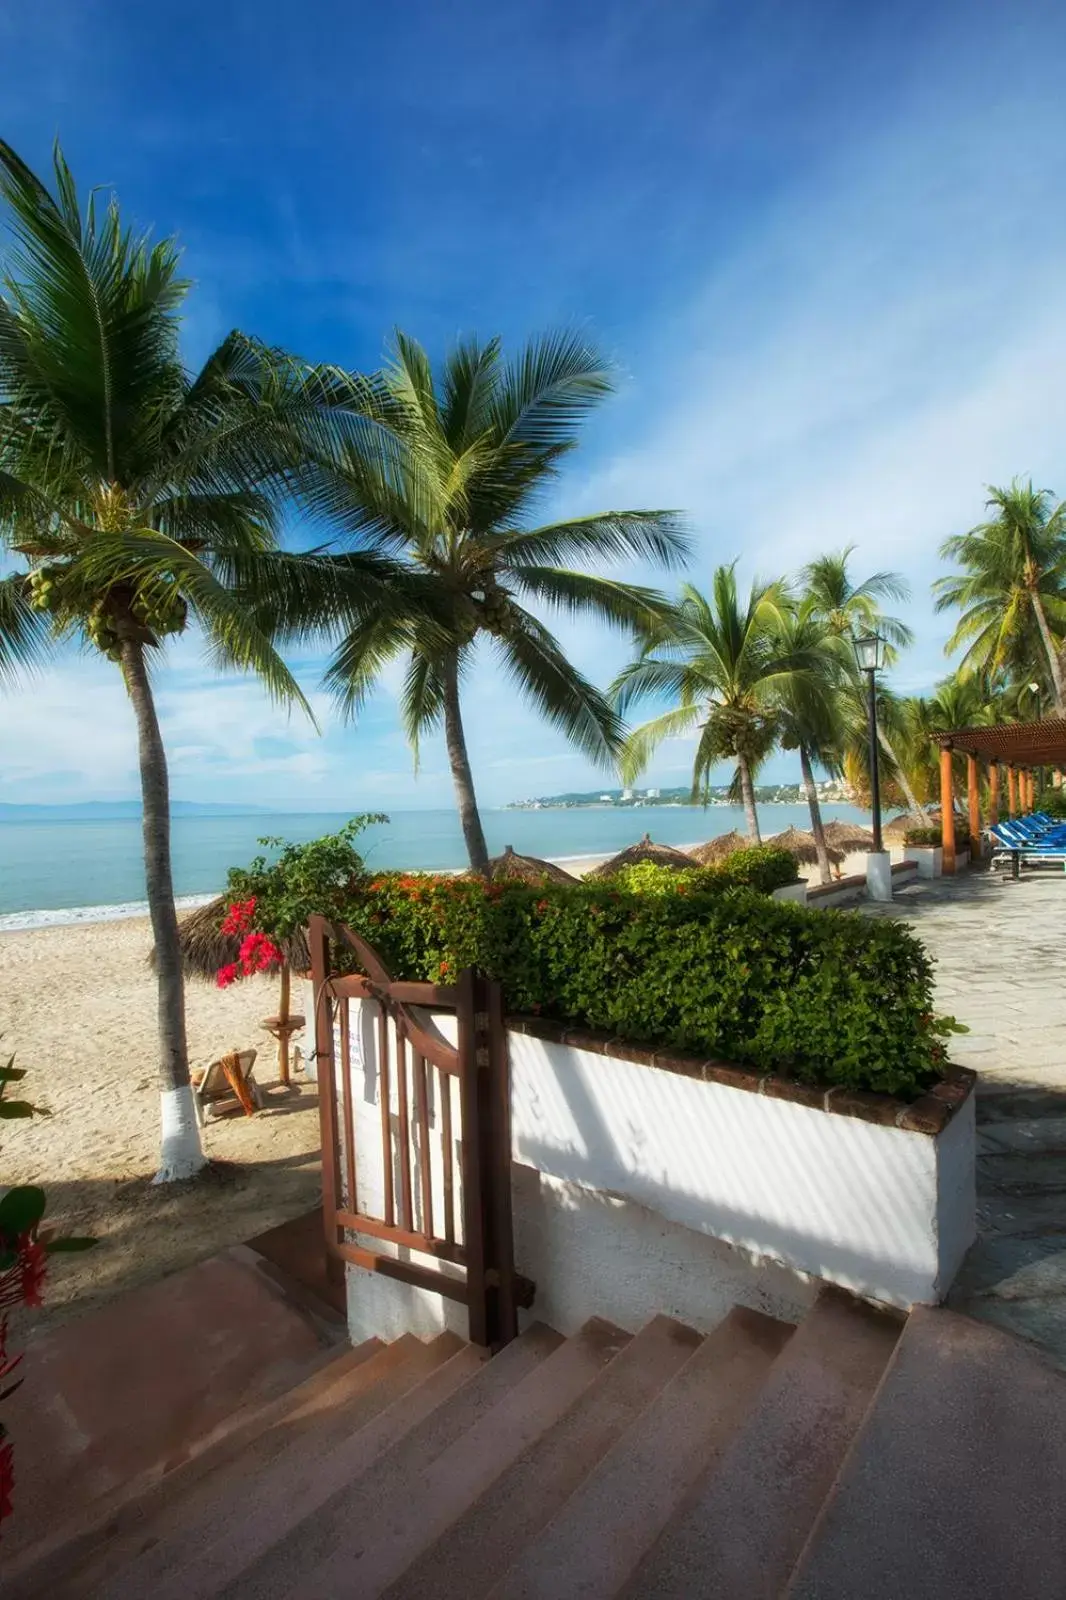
<point>852,1458</point>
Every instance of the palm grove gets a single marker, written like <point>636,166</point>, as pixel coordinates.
<point>139,501</point>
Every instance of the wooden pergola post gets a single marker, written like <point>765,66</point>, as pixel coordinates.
<point>947,810</point>
<point>993,792</point>
<point>973,796</point>
<point>1012,793</point>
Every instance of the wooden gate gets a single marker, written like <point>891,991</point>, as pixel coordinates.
<point>423,1083</point>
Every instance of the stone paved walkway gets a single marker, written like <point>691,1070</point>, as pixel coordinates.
<point>1000,952</point>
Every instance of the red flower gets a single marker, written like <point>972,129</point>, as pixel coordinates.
<point>227,975</point>
<point>238,916</point>
<point>375,887</point>
<point>443,968</point>
<point>7,1478</point>
<point>21,1283</point>
<point>258,954</point>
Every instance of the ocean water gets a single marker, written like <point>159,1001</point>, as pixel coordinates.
<point>91,870</point>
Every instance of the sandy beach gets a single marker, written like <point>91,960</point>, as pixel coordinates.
<point>77,1009</point>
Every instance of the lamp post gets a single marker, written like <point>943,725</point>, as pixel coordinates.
<point>870,655</point>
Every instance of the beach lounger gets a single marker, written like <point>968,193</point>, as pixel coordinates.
<point>1021,846</point>
<point>228,1078</point>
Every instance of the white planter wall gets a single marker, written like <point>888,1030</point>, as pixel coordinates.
<point>929,861</point>
<point>639,1189</point>
<point>883,1211</point>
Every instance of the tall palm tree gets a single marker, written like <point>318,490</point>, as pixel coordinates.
<point>142,501</point>
<point>811,705</point>
<point>851,609</point>
<point>450,478</point>
<point>722,659</point>
<point>1013,585</point>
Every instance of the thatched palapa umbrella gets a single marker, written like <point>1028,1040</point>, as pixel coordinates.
<point>205,948</point>
<point>513,868</point>
<point>802,845</point>
<point>715,850</point>
<point>896,827</point>
<point>848,836</point>
<point>662,855</point>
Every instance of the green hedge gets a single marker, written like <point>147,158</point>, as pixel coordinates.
<point>933,838</point>
<point>762,867</point>
<point>827,997</point>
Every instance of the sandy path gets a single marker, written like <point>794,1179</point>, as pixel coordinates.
<point>77,1007</point>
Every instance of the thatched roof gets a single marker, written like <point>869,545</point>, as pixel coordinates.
<point>897,826</point>
<point>848,836</point>
<point>801,844</point>
<point>662,855</point>
<point>205,948</point>
<point>512,867</point>
<point>715,850</point>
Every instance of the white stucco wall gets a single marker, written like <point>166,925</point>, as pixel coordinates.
<point>638,1190</point>
<point>849,1201</point>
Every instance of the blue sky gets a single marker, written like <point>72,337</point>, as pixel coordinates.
<point>824,243</point>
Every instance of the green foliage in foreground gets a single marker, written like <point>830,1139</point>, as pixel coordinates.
<point>827,997</point>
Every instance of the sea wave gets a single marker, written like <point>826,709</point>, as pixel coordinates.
<point>70,916</point>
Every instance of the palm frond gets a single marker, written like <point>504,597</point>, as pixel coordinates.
<point>564,697</point>
<point>656,536</point>
<point>24,633</point>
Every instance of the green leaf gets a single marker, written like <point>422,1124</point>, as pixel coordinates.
<point>12,1074</point>
<point>21,1209</point>
<point>16,1108</point>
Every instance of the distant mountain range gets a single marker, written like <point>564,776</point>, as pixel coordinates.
<point>117,810</point>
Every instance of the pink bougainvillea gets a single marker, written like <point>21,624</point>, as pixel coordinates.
<point>257,952</point>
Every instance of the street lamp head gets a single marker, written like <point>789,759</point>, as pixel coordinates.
<point>869,652</point>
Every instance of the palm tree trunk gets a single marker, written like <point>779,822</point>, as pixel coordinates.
<point>914,806</point>
<point>462,777</point>
<point>1052,654</point>
<point>747,792</point>
<point>813,806</point>
<point>181,1154</point>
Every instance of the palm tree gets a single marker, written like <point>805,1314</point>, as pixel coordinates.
<point>851,609</point>
<point>1013,586</point>
<point>143,500</point>
<point>810,705</point>
<point>957,703</point>
<point>449,478</point>
<point>724,662</point>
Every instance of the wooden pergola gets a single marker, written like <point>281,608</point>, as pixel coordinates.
<point>1022,747</point>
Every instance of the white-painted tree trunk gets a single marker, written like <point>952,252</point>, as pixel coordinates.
<point>181,1153</point>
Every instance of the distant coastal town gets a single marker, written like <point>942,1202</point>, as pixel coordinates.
<point>830,791</point>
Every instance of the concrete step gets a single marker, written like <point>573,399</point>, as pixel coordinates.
<point>137,1383</point>
<point>600,1536</point>
<point>42,1567</point>
<point>741,1534</point>
<point>525,1497</point>
<point>197,1507</point>
<point>364,1538</point>
<point>283,1527</point>
<point>954,1485</point>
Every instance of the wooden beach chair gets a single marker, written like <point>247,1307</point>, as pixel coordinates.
<point>228,1078</point>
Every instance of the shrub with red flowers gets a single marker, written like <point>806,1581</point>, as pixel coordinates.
<point>722,971</point>
<point>24,1252</point>
<point>257,953</point>
<point>271,900</point>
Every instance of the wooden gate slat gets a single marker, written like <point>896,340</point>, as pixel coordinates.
<point>490,1286</point>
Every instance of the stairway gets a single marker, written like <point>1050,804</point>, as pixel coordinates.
<point>853,1456</point>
